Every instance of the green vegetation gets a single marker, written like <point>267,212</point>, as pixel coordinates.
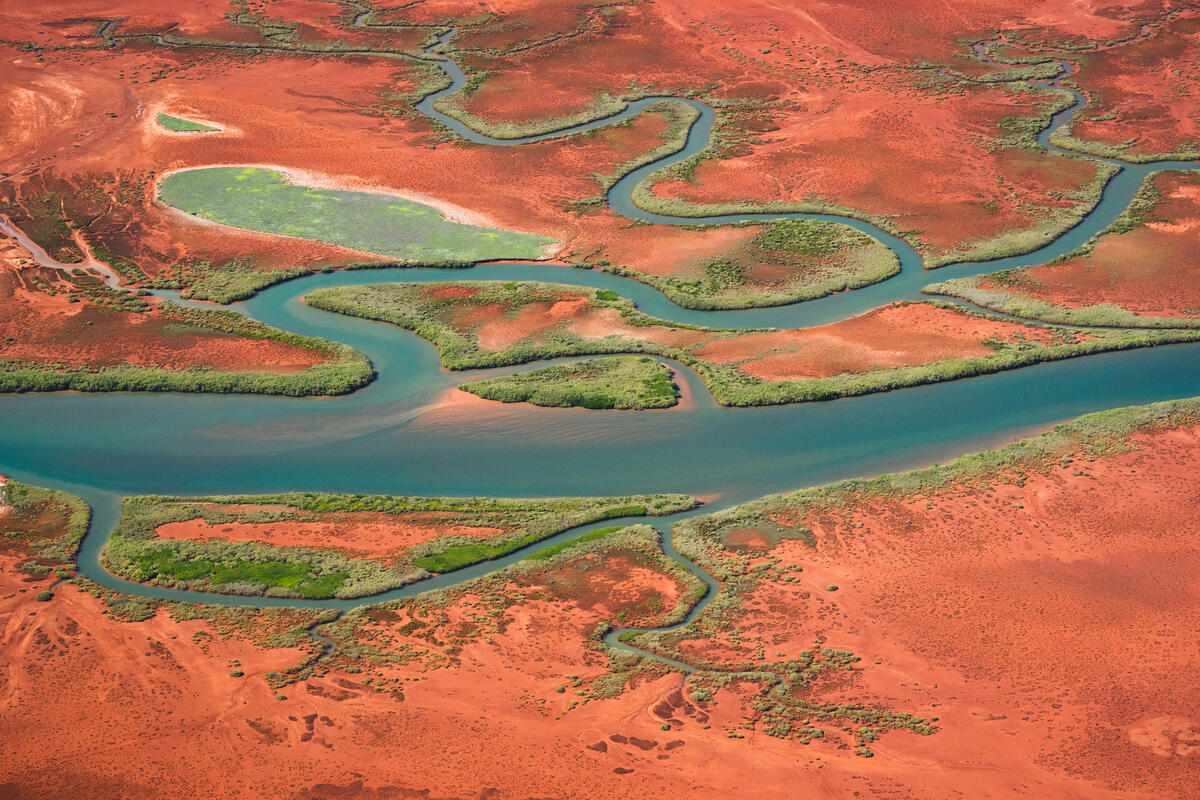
<point>628,382</point>
<point>1021,305</point>
<point>345,370</point>
<point>1092,435</point>
<point>1006,290</point>
<point>251,568</point>
<point>172,123</point>
<point>48,523</point>
<point>554,549</point>
<point>824,257</point>
<point>464,555</point>
<point>235,281</point>
<point>297,577</point>
<point>262,200</point>
<point>803,237</point>
<point>414,308</point>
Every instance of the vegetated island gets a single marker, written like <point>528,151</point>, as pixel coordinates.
<point>625,382</point>
<point>325,545</point>
<point>182,125</point>
<point>477,324</point>
<point>230,348</point>
<point>1142,271</point>
<point>260,199</point>
<point>773,264</point>
<point>45,524</point>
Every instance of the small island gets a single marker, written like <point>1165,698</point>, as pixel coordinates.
<point>626,382</point>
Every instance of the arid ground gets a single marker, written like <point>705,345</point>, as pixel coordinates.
<point>227,198</point>
<point>994,629</point>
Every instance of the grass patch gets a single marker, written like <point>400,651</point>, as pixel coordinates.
<point>627,382</point>
<point>298,578</point>
<point>173,123</point>
<point>48,524</point>
<point>251,568</point>
<point>262,200</point>
<point>465,555</point>
<point>554,549</point>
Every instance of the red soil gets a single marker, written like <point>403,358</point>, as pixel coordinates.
<point>890,141</point>
<point>499,334</point>
<point>36,326</point>
<point>1047,624</point>
<point>363,534</point>
<point>901,335</point>
<point>1049,640</point>
<point>885,150</point>
<point>1150,270</point>
<point>883,141</point>
<point>611,583</point>
<point>1144,92</point>
<point>200,732</point>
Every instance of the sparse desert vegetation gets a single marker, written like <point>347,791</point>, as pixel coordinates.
<point>1140,272</point>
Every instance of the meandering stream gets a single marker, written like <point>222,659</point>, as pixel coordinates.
<point>399,436</point>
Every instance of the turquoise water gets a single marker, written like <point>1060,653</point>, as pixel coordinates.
<point>391,438</point>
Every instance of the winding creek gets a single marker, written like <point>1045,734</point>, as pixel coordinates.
<point>400,436</point>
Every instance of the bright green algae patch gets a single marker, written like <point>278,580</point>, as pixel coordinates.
<point>180,124</point>
<point>627,382</point>
<point>136,552</point>
<point>262,200</point>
